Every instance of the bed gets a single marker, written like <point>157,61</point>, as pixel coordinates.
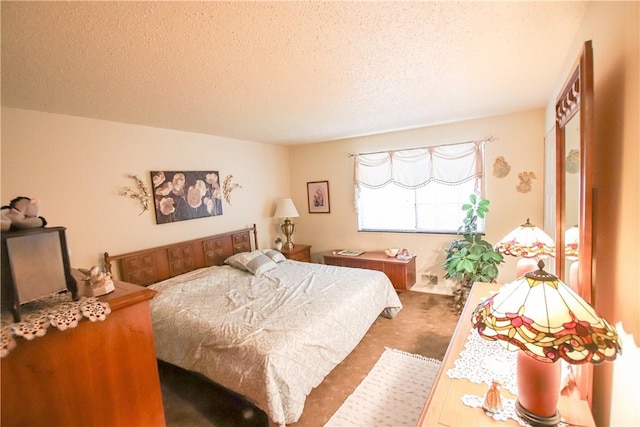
<point>268,330</point>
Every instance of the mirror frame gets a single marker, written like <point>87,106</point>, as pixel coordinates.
<point>577,97</point>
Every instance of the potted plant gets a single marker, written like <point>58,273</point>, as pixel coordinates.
<point>278,242</point>
<point>471,259</point>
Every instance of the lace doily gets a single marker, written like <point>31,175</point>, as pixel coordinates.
<point>482,361</point>
<point>507,412</point>
<point>57,310</point>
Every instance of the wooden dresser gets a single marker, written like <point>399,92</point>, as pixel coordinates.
<point>298,253</point>
<point>401,273</point>
<point>444,406</point>
<point>97,374</point>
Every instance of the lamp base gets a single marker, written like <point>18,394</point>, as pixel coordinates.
<point>538,390</point>
<point>287,229</point>
<point>537,420</point>
<point>288,246</point>
<point>526,265</point>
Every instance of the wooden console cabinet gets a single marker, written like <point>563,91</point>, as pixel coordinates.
<point>401,273</point>
<point>97,374</point>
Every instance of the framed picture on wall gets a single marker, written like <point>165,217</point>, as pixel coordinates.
<point>318,197</point>
<point>184,195</point>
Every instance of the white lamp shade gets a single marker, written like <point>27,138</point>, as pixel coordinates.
<point>286,209</point>
<point>526,241</point>
<point>572,242</point>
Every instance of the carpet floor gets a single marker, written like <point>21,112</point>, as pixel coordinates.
<point>424,326</point>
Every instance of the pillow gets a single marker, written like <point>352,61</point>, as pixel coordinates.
<point>254,262</point>
<point>240,260</point>
<point>260,265</point>
<point>274,255</point>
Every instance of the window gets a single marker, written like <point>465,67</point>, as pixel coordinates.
<point>419,190</point>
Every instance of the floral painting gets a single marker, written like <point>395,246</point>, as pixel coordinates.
<point>186,195</point>
<point>318,195</point>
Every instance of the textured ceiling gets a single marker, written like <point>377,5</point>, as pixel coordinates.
<point>284,72</point>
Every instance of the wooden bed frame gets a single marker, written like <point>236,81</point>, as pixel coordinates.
<point>149,266</point>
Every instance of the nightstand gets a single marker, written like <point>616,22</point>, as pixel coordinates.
<point>298,253</point>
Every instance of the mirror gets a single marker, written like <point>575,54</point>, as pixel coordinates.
<point>571,200</point>
<point>574,189</point>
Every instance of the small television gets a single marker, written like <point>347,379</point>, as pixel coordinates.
<point>35,263</point>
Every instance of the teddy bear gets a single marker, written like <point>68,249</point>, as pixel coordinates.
<point>21,213</point>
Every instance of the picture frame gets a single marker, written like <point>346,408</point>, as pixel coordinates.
<point>185,195</point>
<point>318,197</point>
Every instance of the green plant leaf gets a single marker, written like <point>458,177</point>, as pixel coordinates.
<point>477,250</point>
<point>467,265</point>
<point>473,198</point>
<point>496,257</point>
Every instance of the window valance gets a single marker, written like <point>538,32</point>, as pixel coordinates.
<point>414,168</point>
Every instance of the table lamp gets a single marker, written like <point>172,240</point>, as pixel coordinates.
<point>286,209</point>
<point>545,319</point>
<point>572,242</point>
<point>571,251</point>
<point>527,242</point>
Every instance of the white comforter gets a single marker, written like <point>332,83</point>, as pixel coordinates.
<point>271,338</point>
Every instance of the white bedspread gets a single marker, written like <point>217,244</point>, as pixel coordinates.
<point>271,338</point>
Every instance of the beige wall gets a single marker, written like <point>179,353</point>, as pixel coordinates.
<point>519,138</point>
<point>78,166</point>
<point>613,29</point>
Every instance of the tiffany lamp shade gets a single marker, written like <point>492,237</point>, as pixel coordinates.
<point>547,321</point>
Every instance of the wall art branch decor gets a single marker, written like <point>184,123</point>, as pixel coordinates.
<point>318,195</point>
<point>142,194</point>
<point>180,196</point>
<point>501,168</point>
<point>526,181</point>
<point>228,187</point>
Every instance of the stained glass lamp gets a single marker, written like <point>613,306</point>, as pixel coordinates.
<point>545,319</point>
<point>527,242</point>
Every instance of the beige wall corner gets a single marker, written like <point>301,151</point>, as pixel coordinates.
<point>78,166</point>
<point>613,28</point>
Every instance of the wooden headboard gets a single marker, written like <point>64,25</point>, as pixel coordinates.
<point>149,266</point>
